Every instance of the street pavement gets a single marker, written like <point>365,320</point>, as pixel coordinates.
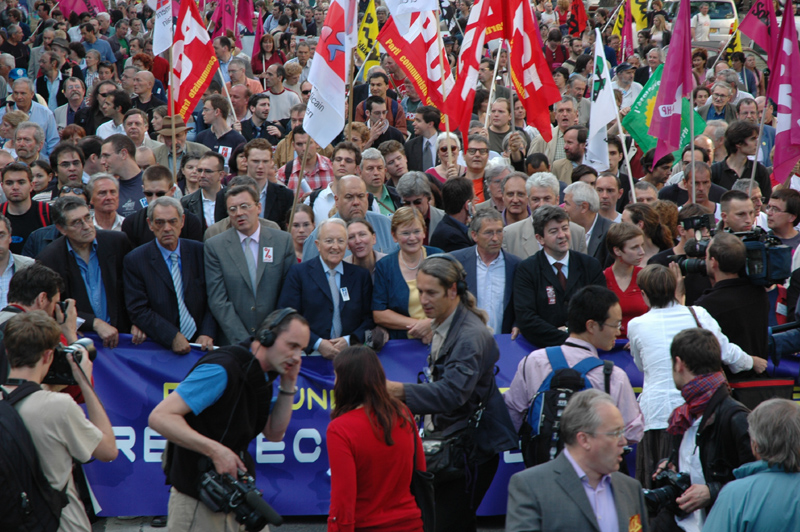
<point>291,524</point>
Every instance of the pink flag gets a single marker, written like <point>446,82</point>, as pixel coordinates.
<point>259,34</point>
<point>761,25</point>
<point>627,32</point>
<point>245,15</point>
<point>676,83</point>
<point>784,86</point>
<point>224,19</point>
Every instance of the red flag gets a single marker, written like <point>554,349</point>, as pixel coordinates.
<point>417,54</point>
<point>531,77</point>
<point>461,98</point>
<point>224,18</point>
<point>193,60</point>
<point>784,86</point>
<point>259,33</point>
<point>761,25</point>
<point>627,45</point>
<point>245,14</point>
<point>577,18</point>
<point>676,83</point>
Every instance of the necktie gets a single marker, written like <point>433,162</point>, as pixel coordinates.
<point>251,262</point>
<point>336,327</point>
<point>560,274</point>
<point>427,157</point>
<point>188,326</point>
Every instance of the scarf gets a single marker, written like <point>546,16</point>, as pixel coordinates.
<point>696,393</point>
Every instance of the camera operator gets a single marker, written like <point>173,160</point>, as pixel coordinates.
<point>38,288</point>
<point>694,223</point>
<point>709,431</point>
<point>741,309</point>
<point>219,408</point>
<point>59,428</point>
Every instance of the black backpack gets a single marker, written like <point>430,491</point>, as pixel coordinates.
<point>28,503</point>
<point>539,436</point>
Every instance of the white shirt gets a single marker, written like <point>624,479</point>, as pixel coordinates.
<point>564,261</point>
<point>491,289</point>
<point>253,244</point>
<point>116,226</point>
<point>589,232</point>
<point>208,210</point>
<point>107,129</point>
<point>5,278</point>
<point>322,205</point>
<point>650,336</point>
<point>628,96</point>
<point>702,27</point>
<point>689,461</point>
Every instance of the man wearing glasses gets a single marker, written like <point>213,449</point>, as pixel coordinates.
<point>94,284</point>
<point>594,322</point>
<point>246,266</point>
<point>118,156</point>
<point>719,107</point>
<point>157,182</point>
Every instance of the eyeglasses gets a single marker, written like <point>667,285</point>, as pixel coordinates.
<point>80,222</point>
<point>773,208</point>
<point>73,190</point>
<point>307,91</point>
<point>482,151</point>
<point>617,325</point>
<point>159,194</point>
<point>719,96</point>
<point>453,149</point>
<point>244,207</point>
<point>617,434</point>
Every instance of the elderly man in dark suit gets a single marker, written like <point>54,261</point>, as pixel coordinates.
<point>165,289</point>
<point>553,495</point>
<point>90,262</point>
<point>490,270</point>
<point>245,268</point>
<point>338,310</point>
<point>582,205</point>
<point>546,281</point>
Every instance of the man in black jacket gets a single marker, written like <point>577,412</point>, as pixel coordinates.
<point>157,182</point>
<point>741,309</point>
<point>710,427</point>
<point>546,281</point>
<point>452,232</point>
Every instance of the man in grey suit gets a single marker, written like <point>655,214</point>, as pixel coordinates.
<point>245,268</point>
<point>519,238</point>
<point>582,203</point>
<point>555,495</point>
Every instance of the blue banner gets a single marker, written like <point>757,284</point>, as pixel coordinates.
<point>132,380</point>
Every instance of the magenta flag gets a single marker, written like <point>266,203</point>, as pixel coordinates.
<point>259,34</point>
<point>676,83</point>
<point>761,25</point>
<point>224,18</point>
<point>787,135</point>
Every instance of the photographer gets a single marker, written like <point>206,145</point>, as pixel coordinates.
<point>58,426</point>
<point>225,402</point>
<point>741,309</point>
<point>709,431</point>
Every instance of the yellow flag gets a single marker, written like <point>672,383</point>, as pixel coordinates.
<point>368,31</point>
<point>735,45</point>
<point>620,20</point>
<point>639,8</point>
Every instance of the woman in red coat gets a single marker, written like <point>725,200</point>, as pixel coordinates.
<point>625,242</point>
<point>267,55</point>
<point>371,441</point>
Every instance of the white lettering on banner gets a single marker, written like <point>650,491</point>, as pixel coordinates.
<point>154,445</point>
<point>265,450</point>
<point>125,445</point>
<point>192,30</point>
<point>512,457</point>
<point>307,434</point>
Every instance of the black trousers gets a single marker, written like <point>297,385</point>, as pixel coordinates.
<point>458,500</point>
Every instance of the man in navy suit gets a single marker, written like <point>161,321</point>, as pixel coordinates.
<point>490,270</point>
<point>153,279</point>
<point>426,132</point>
<point>546,281</point>
<point>334,324</point>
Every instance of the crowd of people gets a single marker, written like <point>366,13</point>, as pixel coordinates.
<point>232,228</point>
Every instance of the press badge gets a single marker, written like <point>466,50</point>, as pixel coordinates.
<point>345,294</point>
<point>266,255</point>
<point>551,295</point>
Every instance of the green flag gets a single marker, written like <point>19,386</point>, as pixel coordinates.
<point>637,121</point>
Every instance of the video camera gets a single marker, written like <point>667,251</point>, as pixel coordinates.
<point>60,372</point>
<point>672,485</point>
<point>223,493</point>
<point>767,261</point>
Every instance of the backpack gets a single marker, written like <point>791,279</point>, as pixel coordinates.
<point>44,212</point>
<point>539,434</point>
<point>28,503</point>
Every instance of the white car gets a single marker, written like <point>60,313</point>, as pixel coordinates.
<point>722,12</point>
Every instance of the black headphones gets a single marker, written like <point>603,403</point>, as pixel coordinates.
<point>267,336</point>
<point>461,283</point>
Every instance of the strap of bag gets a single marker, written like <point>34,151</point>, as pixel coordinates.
<point>23,390</point>
<point>608,367</point>
<point>694,315</point>
<point>556,357</point>
<point>586,365</point>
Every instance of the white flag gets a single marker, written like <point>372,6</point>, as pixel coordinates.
<point>162,28</point>
<point>604,110</point>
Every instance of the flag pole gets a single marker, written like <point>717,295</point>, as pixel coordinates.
<point>758,149</point>
<point>444,85</point>
<point>719,55</point>
<point>613,17</point>
<point>300,178</point>
<point>491,87</point>
<point>351,113</point>
<point>691,137</point>
<point>366,58</point>
<point>172,114</point>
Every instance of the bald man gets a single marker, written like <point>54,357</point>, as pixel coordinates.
<point>145,100</point>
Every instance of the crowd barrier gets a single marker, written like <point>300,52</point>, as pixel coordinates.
<point>293,474</point>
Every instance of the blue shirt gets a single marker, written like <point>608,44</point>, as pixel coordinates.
<point>106,53</point>
<point>52,90</point>
<point>166,253</point>
<point>203,387</point>
<point>93,280</point>
<point>712,114</point>
<point>44,117</point>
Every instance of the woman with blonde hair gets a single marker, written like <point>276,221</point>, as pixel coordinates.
<point>659,33</point>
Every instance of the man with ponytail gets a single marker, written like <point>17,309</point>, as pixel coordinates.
<point>460,380</point>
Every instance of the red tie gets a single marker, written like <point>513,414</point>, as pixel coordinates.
<point>561,277</point>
